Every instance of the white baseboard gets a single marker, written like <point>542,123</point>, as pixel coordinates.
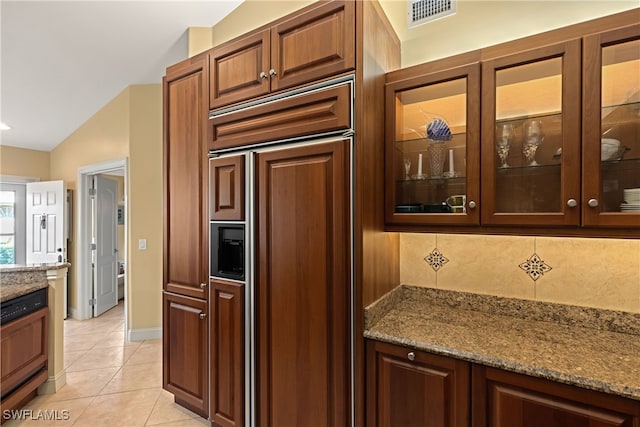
<point>54,383</point>
<point>144,334</point>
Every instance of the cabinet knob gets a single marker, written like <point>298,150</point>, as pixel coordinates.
<point>593,203</point>
<point>203,316</point>
<point>472,204</point>
<point>572,203</point>
<point>272,72</point>
<point>411,356</point>
<point>262,75</point>
<point>203,285</point>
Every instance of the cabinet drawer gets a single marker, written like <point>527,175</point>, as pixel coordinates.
<point>307,114</point>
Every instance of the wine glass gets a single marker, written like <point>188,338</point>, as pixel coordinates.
<point>407,168</point>
<point>533,137</point>
<point>504,136</point>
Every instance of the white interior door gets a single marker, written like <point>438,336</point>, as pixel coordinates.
<point>105,284</point>
<point>46,237</point>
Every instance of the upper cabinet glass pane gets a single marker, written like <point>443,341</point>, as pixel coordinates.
<point>620,143</point>
<point>418,107</point>
<point>528,137</point>
<point>430,170</point>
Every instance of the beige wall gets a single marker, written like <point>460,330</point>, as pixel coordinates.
<point>22,162</point>
<point>248,16</point>
<point>129,126</point>
<point>480,23</point>
<point>104,137</point>
<point>603,273</point>
<point>199,39</point>
<point>144,267</point>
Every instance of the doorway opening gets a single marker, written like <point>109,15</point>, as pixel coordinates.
<point>96,206</point>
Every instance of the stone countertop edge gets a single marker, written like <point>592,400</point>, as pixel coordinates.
<point>17,280</point>
<point>391,319</point>
<point>9,268</point>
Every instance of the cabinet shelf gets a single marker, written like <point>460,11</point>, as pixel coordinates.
<point>458,179</point>
<point>521,118</point>
<point>421,145</point>
<point>625,105</point>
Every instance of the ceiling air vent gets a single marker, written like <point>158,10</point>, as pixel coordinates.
<point>423,11</point>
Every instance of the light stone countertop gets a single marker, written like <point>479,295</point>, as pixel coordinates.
<point>589,348</point>
<point>17,280</point>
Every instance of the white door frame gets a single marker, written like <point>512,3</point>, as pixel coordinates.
<point>83,246</point>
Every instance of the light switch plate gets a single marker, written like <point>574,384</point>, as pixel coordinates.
<point>142,244</point>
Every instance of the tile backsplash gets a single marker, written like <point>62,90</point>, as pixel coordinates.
<point>601,273</point>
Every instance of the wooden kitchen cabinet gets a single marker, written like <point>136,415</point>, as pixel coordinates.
<point>409,388</point>
<point>551,105</point>
<point>226,325</point>
<point>303,286</point>
<point>185,351</point>
<point>530,112</point>
<point>186,216</point>
<point>505,399</point>
<point>415,192</point>
<point>321,111</point>
<point>611,109</point>
<point>316,43</point>
<point>23,358</point>
<point>226,188</point>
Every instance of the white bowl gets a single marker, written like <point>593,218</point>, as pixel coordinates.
<point>609,148</point>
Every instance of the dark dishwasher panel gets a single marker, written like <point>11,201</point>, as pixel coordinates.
<point>227,251</point>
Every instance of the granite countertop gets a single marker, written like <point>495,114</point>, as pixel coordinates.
<point>590,348</point>
<point>17,280</point>
<point>32,267</point>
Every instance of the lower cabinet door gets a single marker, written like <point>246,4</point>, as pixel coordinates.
<point>408,388</point>
<point>24,349</point>
<point>227,353</point>
<point>185,351</point>
<point>505,399</point>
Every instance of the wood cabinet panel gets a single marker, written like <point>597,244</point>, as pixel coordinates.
<point>504,399</point>
<point>303,289</point>
<point>227,353</point>
<point>185,170</point>
<point>605,181</point>
<point>322,111</point>
<point>226,188</point>
<point>24,349</point>
<point>408,388</point>
<point>185,351</point>
<point>313,45</point>
<point>236,69</point>
<point>306,46</point>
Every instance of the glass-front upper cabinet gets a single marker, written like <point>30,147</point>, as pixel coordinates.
<point>531,137</point>
<point>432,156</point>
<point>611,128</point>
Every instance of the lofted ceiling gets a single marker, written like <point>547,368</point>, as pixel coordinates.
<point>62,61</point>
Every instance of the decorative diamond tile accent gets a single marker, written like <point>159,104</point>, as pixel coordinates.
<point>436,260</point>
<point>535,267</point>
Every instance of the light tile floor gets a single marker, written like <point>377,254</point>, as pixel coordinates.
<point>110,381</point>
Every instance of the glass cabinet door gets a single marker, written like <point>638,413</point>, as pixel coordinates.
<point>432,148</point>
<point>530,137</point>
<point>611,128</point>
